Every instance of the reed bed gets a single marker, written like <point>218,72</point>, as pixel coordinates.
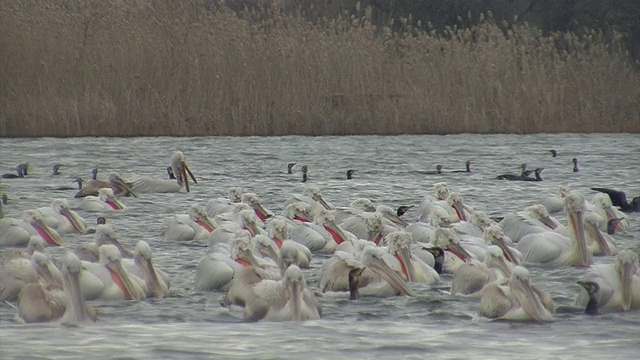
<point>162,67</point>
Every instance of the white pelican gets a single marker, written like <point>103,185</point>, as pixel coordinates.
<point>554,202</point>
<point>216,269</point>
<point>143,267</point>
<point>194,226</point>
<point>368,226</point>
<point>358,206</point>
<point>253,200</point>
<point>146,185</point>
<point>15,232</point>
<point>283,300</point>
<point>598,242</point>
<point>550,247</point>
<point>265,248</point>
<point>104,235</point>
<point>105,200</point>
<point>478,222</point>
<point>279,230</point>
<point>534,219</point>
<point>61,301</point>
<point>109,279</point>
<point>472,277</point>
<point>392,217</point>
<point>223,205</point>
<point>299,211</point>
<point>401,259</point>
<point>618,284</point>
<point>19,271</point>
<point>62,219</point>
<point>494,235</point>
<point>520,300</point>
<point>603,206</point>
<point>428,204</point>
<point>455,254</point>
<point>375,279</point>
<point>312,196</point>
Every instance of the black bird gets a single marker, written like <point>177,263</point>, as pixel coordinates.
<point>430,172</point>
<point>553,153</point>
<point>99,221</point>
<point>523,173</point>
<point>512,177</point>
<point>403,209</point>
<point>21,172</point>
<point>354,283</point>
<point>575,164</point>
<point>438,255</point>
<point>170,173</point>
<point>305,169</point>
<point>5,199</point>
<point>619,199</point>
<point>467,168</point>
<point>290,167</point>
<point>593,290</point>
<point>611,226</point>
<point>350,174</point>
<point>79,187</point>
<point>56,169</point>
<point>25,168</point>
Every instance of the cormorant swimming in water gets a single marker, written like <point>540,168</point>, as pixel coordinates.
<point>290,167</point>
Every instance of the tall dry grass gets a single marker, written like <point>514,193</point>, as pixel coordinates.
<point>163,67</point>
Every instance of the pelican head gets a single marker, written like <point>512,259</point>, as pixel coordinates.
<point>293,281</point>
<point>400,247</point>
<point>626,265</point>
<point>289,255</point>
<point>373,258</point>
<point>49,235</point>
<point>391,215</point>
<point>241,250</point>
<point>77,309</point>
<point>528,297</point>
<point>326,219</point>
<point>592,222</point>
<point>494,235</point>
<point>36,243</point>
<point>120,186</point>
<point>313,192</point>
<point>574,210</point>
<point>375,227</point>
<point>61,206</point>
<point>265,247</point>
<point>481,220</point>
<point>603,201</point>
<point>111,258</point>
<point>250,222</point>
<point>235,194</point>
<point>440,218</point>
<point>106,195</point>
<point>106,236</point>
<point>455,201</point>
<point>446,239</point>
<point>143,258</point>
<point>563,191</point>
<point>180,170</point>
<point>199,216</point>
<point>279,230</point>
<point>440,190</point>
<point>254,201</point>
<point>363,204</point>
<point>539,212</point>
<point>495,259</point>
<point>297,211</point>
<point>48,272</point>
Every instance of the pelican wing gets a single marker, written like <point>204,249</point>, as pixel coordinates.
<point>543,247</point>
<point>495,301</point>
<point>470,278</point>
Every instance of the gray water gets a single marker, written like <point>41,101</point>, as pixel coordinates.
<point>192,325</point>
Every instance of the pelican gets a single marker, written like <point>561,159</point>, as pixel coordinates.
<point>401,259</point>
<point>109,279</point>
<point>312,196</point>
<point>368,226</point>
<point>223,205</point>
<point>15,232</point>
<point>46,302</point>
<point>62,219</point>
<point>180,169</point>
<point>554,202</point>
<point>194,226</point>
<point>603,206</point>
<point>143,267</point>
<point>478,222</point>
<point>106,200</point>
<point>520,300</point>
<point>618,284</point>
<point>440,192</point>
<point>18,271</point>
<point>104,235</point>
<point>356,207</point>
<point>494,235</point>
<point>115,182</point>
<point>376,278</point>
<point>599,243</point>
<point>551,247</point>
<point>473,277</point>
<point>279,230</point>
<point>216,269</point>
<point>455,255</point>
<point>534,219</point>
<point>283,300</point>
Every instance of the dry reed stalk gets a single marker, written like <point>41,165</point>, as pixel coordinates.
<point>143,67</point>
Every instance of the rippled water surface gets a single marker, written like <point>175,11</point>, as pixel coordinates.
<point>192,325</point>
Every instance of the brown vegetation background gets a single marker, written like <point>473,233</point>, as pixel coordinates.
<point>164,67</point>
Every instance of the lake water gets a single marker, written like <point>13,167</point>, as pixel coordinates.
<point>192,325</point>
